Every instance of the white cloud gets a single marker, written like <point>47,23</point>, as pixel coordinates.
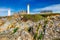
<point>54,8</point>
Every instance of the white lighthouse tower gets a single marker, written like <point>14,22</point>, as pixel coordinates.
<point>9,12</point>
<point>28,10</point>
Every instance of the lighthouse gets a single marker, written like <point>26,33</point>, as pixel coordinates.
<point>28,10</point>
<point>9,12</point>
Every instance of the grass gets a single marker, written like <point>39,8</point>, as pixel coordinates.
<point>34,18</point>
<point>40,36</point>
<point>36,37</point>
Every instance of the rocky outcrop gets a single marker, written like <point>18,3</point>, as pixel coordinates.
<point>47,28</point>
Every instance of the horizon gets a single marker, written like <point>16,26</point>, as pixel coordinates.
<point>35,6</point>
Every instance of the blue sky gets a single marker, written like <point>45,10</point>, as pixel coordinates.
<point>35,5</point>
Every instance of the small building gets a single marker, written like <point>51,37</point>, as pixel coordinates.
<point>46,11</point>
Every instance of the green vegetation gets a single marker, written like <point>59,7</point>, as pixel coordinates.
<point>36,37</point>
<point>40,36</point>
<point>15,30</point>
<point>45,22</point>
<point>34,18</point>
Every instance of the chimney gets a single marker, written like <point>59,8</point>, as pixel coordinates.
<point>9,12</point>
<point>28,10</point>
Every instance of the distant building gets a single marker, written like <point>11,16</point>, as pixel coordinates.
<point>22,12</point>
<point>28,9</point>
<point>9,12</point>
<point>46,11</point>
